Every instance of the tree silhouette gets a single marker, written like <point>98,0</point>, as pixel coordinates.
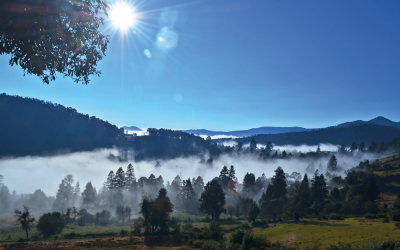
<point>49,37</point>
<point>25,219</point>
<point>212,200</point>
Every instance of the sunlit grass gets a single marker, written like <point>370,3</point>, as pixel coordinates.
<point>325,233</point>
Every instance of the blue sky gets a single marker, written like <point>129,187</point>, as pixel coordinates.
<point>241,64</point>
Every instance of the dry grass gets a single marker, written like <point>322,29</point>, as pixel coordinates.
<point>140,243</point>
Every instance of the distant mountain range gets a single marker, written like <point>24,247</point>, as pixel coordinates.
<point>249,132</point>
<point>132,128</point>
<point>380,120</point>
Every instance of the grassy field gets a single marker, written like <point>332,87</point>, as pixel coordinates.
<point>353,231</point>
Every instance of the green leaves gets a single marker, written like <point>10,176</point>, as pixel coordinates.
<point>53,37</point>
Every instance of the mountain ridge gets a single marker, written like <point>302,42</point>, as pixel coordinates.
<point>380,120</point>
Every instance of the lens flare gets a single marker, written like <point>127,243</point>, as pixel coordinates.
<point>147,53</point>
<point>122,15</point>
<point>167,38</point>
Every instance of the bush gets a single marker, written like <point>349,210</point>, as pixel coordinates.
<point>213,231</point>
<point>137,227</point>
<point>371,216</point>
<point>382,215</point>
<point>255,241</point>
<point>209,245</point>
<point>123,232</point>
<point>336,217</point>
<point>396,217</point>
<point>103,218</point>
<point>50,224</point>
<point>84,218</point>
<point>237,236</point>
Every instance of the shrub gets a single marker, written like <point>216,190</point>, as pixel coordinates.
<point>382,215</point>
<point>50,224</point>
<point>103,218</point>
<point>255,241</point>
<point>336,217</point>
<point>237,236</point>
<point>197,244</point>
<point>209,245</point>
<point>371,216</point>
<point>213,231</point>
<point>123,232</point>
<point>137,227</point>
<point>84,218</point>
<point>396,217</point>
<point>386,220</point>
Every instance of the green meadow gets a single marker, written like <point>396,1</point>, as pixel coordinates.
<point>354,231</point>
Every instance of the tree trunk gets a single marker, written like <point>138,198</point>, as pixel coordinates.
<point>27,234</point>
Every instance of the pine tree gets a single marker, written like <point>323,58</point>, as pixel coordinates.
<point>304,195</point>
<point>188,196</point>
<point>130,178</point>
<point>332,164</point>
<point>119,179</point>
<point>319,192</point>
<point>353,147</point>
<point>77,189</point>
<point>279,184</point>
<point>198,186</point>
<point>109,183</point>
<point>361,147</point>
<point>231,173</point>
<point>253,145</point>
<point>249,182</point>
<point>89,195</point>
<point>224,177</point>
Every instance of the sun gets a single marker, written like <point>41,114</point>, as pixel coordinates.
<point>122,15</point>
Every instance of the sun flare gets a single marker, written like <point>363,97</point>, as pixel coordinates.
<point>122,15</point>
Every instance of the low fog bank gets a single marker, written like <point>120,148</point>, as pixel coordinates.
<point>26,174</point>
<point>290,148</point>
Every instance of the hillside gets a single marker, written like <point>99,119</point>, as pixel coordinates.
<point>248,132</point>
<point>340,135</point>
<point>380,120</point>
<point>30,126</point>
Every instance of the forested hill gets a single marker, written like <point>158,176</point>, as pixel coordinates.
<point>30,126</point>
<point>336,135</point>
<point>167,144</point>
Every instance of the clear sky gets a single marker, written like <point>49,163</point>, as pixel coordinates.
<point>234,64</point>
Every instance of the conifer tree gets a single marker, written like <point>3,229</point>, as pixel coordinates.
<point>361,147</point>
<point>249,183</point>
<point>332,164</point>
<point>304,195</point>
<point>109,183</point>
<point>119,179</point>
<point>224,177</point>
<point>353,147</point>
<point>231,173</point>
<point>89,194</point>
<point>279,184</point>
<point>253,145</point>
<point>130,178</point>
<point>198,186</point>
<point>319,192</point>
